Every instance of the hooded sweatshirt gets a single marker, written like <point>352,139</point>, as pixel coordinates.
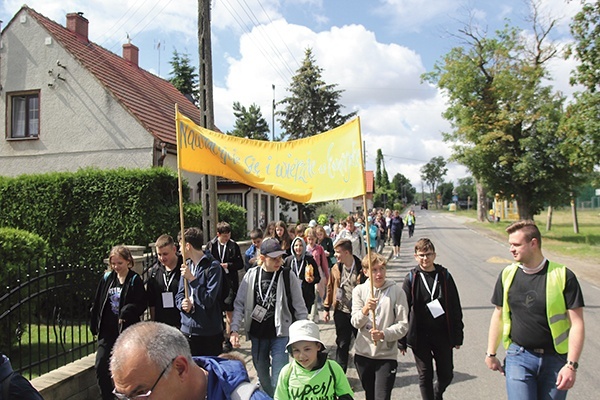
<point>391,315</point>
<point>297,265</point>
<point>228,379</point>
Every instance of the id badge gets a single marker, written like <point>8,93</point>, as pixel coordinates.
<point>258,314</point>
<point>435,308</point>
<point>339,294</point>
<point>167,300</point>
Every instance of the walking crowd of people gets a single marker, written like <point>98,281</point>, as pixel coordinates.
<point>289,279</point>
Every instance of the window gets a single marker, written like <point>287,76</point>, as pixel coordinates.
<point>233,198</point>
<point>24,115</point>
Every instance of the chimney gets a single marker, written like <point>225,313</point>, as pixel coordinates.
<point>131,53</point>
<point>77,24</point>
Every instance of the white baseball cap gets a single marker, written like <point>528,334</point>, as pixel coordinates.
<point>304,330</point>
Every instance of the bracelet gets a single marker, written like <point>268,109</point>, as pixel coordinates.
<point>571,367</point>
<point>490,354</point>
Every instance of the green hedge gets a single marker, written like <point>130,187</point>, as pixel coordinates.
<point>18,248</point>
<point>82,215</point>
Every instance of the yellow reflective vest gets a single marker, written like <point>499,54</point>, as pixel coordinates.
<point>556,309</point>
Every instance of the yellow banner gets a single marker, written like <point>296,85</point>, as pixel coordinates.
<point>323,167</point>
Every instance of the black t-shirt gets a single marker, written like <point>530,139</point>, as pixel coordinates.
<point>110,315</point>
<point>527,303</point>
<point>161,280</point>
<point>266,328</point>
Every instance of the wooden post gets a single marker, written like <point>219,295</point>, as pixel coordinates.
<point>208,183</point>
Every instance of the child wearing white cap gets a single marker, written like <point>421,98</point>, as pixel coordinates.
<point>311,374</point>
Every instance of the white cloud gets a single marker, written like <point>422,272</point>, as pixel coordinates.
<point>411,15</point>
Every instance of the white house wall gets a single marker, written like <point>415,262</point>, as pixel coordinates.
<point>81,123</point>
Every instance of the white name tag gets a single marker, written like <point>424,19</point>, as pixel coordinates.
<point>167,300</point>
<point>258,314</point>
<point>435,308</point>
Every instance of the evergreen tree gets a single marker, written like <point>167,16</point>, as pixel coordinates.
<point>313,105</point>
<point>249,123</point>
<point>184,76</point>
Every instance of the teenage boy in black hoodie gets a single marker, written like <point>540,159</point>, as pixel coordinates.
<point>435,320</point>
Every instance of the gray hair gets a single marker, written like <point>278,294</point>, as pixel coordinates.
<point>160,342</point>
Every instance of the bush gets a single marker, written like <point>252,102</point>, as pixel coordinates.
<point>18,250</point>
<point>332,209</point>
<point>82,215</point>
<point>236,217</point>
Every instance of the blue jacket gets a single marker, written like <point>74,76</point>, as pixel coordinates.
<point>250,253</point>
<point>19,387</point>
<point>206,318</point>
<point>227,376</point>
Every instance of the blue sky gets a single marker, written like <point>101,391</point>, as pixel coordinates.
<point>374,50</point>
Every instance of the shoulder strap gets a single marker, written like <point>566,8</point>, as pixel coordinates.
<point>333,375</point>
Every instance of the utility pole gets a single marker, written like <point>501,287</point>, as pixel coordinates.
<point>273,122</point>
<point>208,183</point>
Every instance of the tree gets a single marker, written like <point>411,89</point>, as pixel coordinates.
<point>506,122</point>
<point>313,105</point>
<point>582,125</point>
<point>446,191</point>
<point>381,175</point>
<point>403,188</point>
<point>184,76</point>
<point>465,190</point>
<point>249,123</point>
<point>433,173</point>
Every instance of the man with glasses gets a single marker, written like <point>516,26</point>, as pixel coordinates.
<point>538,316</point>
<point>435,325</point>
<point>154,359</point>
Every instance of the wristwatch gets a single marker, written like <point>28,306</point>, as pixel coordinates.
<point>573,364</point>
<point>490,354</point>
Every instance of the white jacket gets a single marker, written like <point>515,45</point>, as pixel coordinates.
<point>392,317</point>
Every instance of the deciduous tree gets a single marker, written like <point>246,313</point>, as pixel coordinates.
<point>505,121</point>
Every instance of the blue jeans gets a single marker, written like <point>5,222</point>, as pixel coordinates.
<point>532,376</point>
<point>269,353</point>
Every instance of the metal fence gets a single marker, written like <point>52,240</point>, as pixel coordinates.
<point>44,315</point>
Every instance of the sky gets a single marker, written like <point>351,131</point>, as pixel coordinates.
<point>375,51</point>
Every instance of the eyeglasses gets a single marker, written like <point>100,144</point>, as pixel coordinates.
<point>122,396</point>
<point>426,255</point>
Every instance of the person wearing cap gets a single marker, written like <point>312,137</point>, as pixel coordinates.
<point>269,300</point>
<point>311,374</point>
<point>376,346</point>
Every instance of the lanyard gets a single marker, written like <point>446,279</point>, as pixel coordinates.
<point>432,290</point>
<point>168,284</point>
<point>221,251</point>
<point>266,296</point>
<point>343,282</point>
<point>295,267</point>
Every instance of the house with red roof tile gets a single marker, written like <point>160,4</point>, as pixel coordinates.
<point>68,103</point>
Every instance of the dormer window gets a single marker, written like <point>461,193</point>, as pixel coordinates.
<point>24,122</point>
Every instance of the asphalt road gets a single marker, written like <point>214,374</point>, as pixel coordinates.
<point>475,260</point>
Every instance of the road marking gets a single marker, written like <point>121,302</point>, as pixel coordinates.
<point>499,260</point>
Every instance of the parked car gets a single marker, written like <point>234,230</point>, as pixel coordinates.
<point>424,205</point>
